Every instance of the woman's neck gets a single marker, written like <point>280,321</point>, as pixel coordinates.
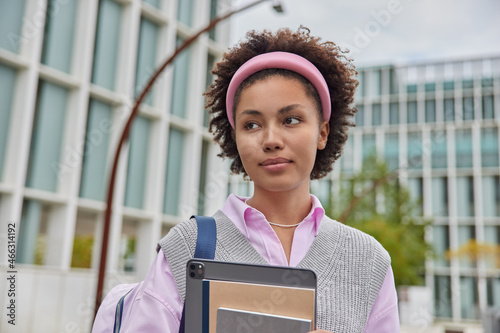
<point>288,207</point>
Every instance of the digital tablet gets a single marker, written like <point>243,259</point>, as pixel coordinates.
<point>252,295</point>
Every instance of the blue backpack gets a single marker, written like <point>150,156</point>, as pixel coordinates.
<point>121,294</point>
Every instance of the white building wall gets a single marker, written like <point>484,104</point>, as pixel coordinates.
<point>52,295</point>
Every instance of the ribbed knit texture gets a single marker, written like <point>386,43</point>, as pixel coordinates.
<point>351,267</point>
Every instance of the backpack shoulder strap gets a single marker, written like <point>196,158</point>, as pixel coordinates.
<point>205,247</point>
<point>207,235</point>
<point>119,313</point>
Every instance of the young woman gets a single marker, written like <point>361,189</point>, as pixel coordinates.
<point>281,108</point>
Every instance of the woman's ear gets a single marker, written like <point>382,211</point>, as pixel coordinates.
<point>324,130</point>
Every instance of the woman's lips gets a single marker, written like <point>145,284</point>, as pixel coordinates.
<point>275,164</point>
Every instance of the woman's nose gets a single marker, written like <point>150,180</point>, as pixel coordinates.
<point>272,140</point>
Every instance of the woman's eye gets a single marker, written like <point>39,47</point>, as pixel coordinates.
<point>251,126</point>
<point>291,121</point>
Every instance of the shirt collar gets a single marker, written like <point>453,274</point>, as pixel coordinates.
<point>239,212</point>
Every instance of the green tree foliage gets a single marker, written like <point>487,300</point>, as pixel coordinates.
<point>82,251</point>
<point>474,251</point>
<point>375,202</point>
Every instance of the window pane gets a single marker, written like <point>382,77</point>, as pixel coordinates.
<point>347,158</point>
<point>32,241</point>
<point>205,146</point>
<point>430,86</point>
<point>323,191</point>
<point>107,44</point>
<point>59,34</point>
<point>93,180</point>
<point>369,147</point>
<point>394,84</point>
<point>128,240</point>
<point>394,113</point>
<point>83,241</point>
<point>491,238</point>
<point>438,149</point>
<point>7,83</point>
<point>487,82</point>
<point>361,90</point>
<point>146,58</point>
<point>208,81</point>
<point>174,172</point>
<point>463,148</point>
<point>466,234</point>
<point>491,196</point>
<point>392,150</point>
<point>488,109</point>
<point>449,109</point>
<point>467,84</point>
<point>439,196</point>
<point>492,234</point>
<point>412,112</point>
<point>48,127</point>
<point>448,85</point>
<point>411,88</point>
<point>493,292</point>
<point>468,298</point>
<point>11,14</point>
<point>376,115</point>
<point>137,163</point>
<point>185,12</point>
<point>468,108</point>
<point>244,189</point>
<point>213,13</point>
<point>415,150</point>
<point>415,186</point>
<point>28,232</point>
<point>441,244</point>
<point>489,147</point>
<point>360,115</point>
<point>442,296</point>
<point>154,3</point>
<point>377,83</point>
<point>181,82</point>
<point>430,111</point>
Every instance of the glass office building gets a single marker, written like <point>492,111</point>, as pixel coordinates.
<point>69,73</point>
<point>438,123</point>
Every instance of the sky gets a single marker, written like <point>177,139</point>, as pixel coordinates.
<point>379,32</point>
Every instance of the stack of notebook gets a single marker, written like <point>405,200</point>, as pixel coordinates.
<point>236,307</point>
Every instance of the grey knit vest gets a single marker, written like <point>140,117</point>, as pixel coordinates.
<point>350,265</point>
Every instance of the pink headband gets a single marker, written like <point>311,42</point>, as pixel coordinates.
<point>283,60</point>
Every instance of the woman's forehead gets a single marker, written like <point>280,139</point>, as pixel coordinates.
<point>279,80</point>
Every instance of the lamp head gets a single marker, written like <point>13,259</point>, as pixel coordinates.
<point>277,6</point>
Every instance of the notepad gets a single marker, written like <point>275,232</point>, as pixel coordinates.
<point>232,320</point>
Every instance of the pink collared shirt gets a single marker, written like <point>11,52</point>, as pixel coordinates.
<point>158,307</point>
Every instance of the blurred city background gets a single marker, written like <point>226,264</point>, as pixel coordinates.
<point>420,171</point>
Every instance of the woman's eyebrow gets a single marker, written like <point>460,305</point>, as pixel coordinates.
<point>251,112</point>
<point>283,110</point>
<point>289,108</point>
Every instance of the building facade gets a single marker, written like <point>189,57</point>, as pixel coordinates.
<point>438,124</point>
<point>69,71</point>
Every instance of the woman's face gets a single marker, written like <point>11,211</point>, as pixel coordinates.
<point>278,132</point>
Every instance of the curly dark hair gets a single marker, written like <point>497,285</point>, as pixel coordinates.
<point>337,69</point>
